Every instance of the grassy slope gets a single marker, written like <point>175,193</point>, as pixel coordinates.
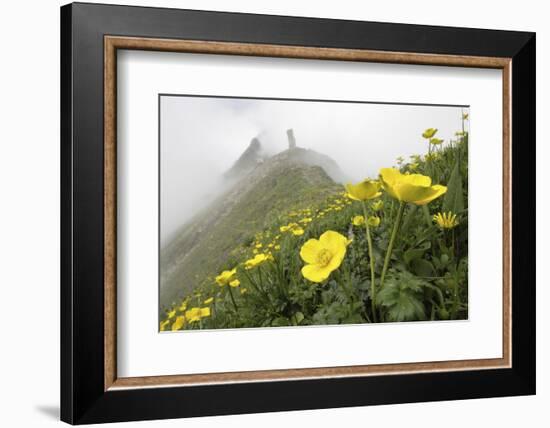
<point>210,241</point>
<point>428,272</point>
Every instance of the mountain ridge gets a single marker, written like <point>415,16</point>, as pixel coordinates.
<point>260,193</point>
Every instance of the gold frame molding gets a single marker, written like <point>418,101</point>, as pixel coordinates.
<point>113,43</point>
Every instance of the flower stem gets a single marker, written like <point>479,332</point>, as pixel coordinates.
<point>233,298</point>
<point>371,261</point>
<point>392,241</point>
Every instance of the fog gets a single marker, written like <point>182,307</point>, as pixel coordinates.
<point>201,138</point>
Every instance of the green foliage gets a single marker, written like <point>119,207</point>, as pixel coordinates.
<point>427,279</point>
<point>401,297</point>
<point>453,200</point>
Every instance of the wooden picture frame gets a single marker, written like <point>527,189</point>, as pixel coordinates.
<point>91,390</point>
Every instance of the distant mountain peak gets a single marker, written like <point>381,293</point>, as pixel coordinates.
<point>249,159</point>
<point>255,156</point>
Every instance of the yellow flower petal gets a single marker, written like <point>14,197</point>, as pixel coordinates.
<point>374,221</point>
<point>309,250</point>
<point>235,283</point>
<point>179,323</point>
<point>358,220</point>
<point>429,133</point>
<point>164,324</point>
<point>316,273</point>
<point>413,188</point>
<point>364,190</point>
<point>225,277</point>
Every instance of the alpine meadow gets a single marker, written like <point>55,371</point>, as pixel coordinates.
<point>277,213</point>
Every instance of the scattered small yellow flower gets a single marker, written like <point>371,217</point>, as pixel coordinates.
<point>277,247</point>
<point>195,314</point>
<point>366,189</point>
<point>179,323</point>
<point>323,255</point>
<point>255,251</point>
<point>211,299</point>
<point>183,306</point>
<point>429,133</point>
<point>358,220</point>
<point>377,205</point>
<point>445,220</point>
<point>298,231</point>
<point>259,245</point>
<point>225,277</point>
<point>413,188</point>
<point>234,283</point>
<point>256,261</point>
<point>171,314</point>
<point>288,227</point>
<point>243,290</point>
<point>373,221</point>
<point>164,324</point>
<point>436,141</point>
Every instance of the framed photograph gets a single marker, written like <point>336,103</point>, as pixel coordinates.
<point>266,213</point>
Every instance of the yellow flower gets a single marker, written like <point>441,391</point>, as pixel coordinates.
<point>259,245</point>
<point>306,220</point>
<point>413,188</point>
<point>429,133</point>
<point>178,324</point>
<point>358,220</point>
<point>446,220</point>
<point>297,231</point>
<point>323,255</point>
<point>413,166</point>
<point>183,306</point>
<point>374,221</point>
<point>288,227</point>
<point>378,205</point>
<point>211,299</point>
<point>171,314</point>
<point>256,261</point>
<point>195,314</point>
<point>243,290</point>
<point>255,251</point>
<point>234,283</point>
<point>277,247</point>
<point>164,324</point>
<point>225,277</point>
<point>436,141</point>
<point>366,189</point>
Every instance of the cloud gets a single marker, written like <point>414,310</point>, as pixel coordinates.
<point>202,137</point>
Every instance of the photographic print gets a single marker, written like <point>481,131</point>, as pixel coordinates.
<point>282,212</point>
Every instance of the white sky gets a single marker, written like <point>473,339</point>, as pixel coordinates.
<point>202,137</point>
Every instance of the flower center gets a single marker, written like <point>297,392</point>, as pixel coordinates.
<point>324,257</point>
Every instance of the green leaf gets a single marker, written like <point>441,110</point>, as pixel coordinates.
<point>422,267</point>
<point>299,317</point>
<point>454,200</point>
<point>402,297</point>
<point>416,253</point>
